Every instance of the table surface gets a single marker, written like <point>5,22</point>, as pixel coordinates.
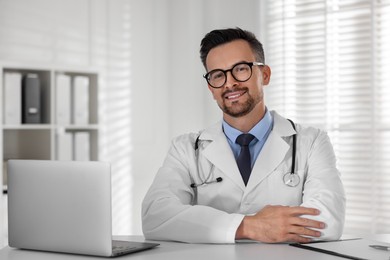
<point>174,250</point>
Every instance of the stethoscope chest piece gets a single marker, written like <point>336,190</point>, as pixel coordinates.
<point>291,179</point>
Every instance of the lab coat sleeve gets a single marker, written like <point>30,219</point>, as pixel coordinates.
<point>167,213</point>
<point>323,187</point>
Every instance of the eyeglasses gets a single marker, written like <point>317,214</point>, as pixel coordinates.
<point>241,72</point>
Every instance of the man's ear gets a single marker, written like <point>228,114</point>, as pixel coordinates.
<point>266,74</point>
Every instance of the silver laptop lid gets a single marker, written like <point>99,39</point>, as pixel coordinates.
<point>60,206</point>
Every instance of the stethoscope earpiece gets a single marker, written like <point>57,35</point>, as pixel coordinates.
<point>194,185</point>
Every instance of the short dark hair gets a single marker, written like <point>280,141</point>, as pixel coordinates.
<point>218,37</point>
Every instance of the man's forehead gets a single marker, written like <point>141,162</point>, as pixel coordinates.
<point>226,55</point>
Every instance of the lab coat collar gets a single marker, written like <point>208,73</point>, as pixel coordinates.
<point>282,126</point>
<point>219,153</point>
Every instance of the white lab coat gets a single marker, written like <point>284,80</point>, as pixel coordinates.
<point>171,211</point>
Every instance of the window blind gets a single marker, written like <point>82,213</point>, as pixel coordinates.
<point>330,69</point>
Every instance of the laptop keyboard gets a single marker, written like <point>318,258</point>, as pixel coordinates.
<point>123,248</point>
<point>120,246</point>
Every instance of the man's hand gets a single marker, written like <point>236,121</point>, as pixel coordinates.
<point>275,224</point>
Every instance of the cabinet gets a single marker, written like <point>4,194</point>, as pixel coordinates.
<point>43,140</point>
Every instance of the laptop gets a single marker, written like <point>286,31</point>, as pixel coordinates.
<point>63,206</point>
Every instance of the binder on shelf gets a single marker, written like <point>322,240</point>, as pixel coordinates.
<point>81,146</point>
<point>64,146</point>
<point>31,99</point>
<point>80,100</point>
<point>12,98</point>
<point>63,95</point>
<point>5,177</point>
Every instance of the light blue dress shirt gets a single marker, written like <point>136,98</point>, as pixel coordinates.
<point>261,131</point>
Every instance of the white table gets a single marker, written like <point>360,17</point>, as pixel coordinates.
<point>173,251</point>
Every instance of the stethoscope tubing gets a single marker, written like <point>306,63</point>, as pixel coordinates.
<point>294,148</point>
<point>293,178</point>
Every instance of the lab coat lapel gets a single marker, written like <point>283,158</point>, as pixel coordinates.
<point>219,153</point>
<point>273,152</point>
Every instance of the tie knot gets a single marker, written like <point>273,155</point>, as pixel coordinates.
<point>244,139</point>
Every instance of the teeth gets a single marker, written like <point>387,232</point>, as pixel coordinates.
<point>233,96</point>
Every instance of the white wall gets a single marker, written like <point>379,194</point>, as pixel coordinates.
<point>148,54</point>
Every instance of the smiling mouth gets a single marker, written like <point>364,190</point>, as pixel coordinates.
<point>234,94</point>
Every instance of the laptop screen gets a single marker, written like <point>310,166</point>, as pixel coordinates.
<point>60,206</point>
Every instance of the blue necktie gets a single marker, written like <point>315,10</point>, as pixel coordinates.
<point>244,158</point>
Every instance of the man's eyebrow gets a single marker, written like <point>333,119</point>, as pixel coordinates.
<point>243,61</point>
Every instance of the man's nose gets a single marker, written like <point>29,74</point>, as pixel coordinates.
<point>230,80</point>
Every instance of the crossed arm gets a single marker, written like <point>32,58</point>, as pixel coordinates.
<point>275,224</point>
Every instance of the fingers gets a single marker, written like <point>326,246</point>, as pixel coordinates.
<point>298,210</point>
<point>303,231</point>
<point>302,221</point>
<point>305,222</point>
<point>282,224</point>
<point>298,239</point>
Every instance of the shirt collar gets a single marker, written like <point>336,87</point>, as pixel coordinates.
<point>260,130</point>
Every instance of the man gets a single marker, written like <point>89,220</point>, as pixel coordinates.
<point>212,188</point>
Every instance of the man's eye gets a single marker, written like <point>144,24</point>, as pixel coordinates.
<point>241,68</point>
<point>217,75</point>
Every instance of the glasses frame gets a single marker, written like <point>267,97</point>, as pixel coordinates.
<point>250,64</point>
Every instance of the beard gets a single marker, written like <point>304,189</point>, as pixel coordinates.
<point>238,109</point>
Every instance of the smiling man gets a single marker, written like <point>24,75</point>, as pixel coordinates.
<point>255,175</point>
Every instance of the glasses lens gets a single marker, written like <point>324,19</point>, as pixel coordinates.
<point>216,78</point>
<point>242,72</point>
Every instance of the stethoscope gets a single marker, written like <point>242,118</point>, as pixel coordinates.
<point>290,179</point>
<point>206,181</point>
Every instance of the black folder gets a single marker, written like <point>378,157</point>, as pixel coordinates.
<point>353,248</point>
<point>31,99</point>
